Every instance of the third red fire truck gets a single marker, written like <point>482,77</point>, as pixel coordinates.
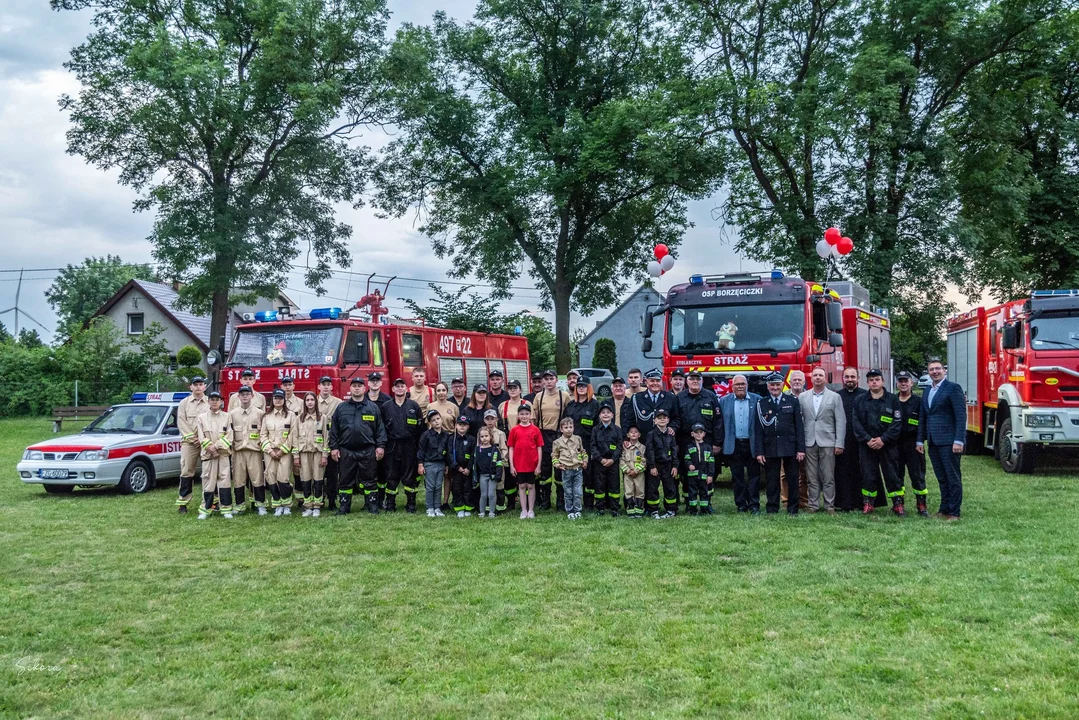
<point>329,341</point>
<point>754,324</point>
<point>1019,366</point>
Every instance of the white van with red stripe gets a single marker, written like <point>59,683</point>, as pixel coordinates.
<point>131,446</point>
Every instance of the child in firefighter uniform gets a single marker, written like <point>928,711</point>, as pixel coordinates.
<point>662,454</point>
<point>187,415</point>
<point>459,449</point>
<point>247,451</point>
<point>569,458</point>
<point>877,425</point>
<point>311,454</point>
<point>606,451</point>
<point>634,468</point>
<point>504,479</point>
<point>700,470</point>
<point>277,426</point>
<point>214,430</point>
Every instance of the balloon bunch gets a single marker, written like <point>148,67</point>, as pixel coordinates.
<point>834,244</point>
<point>664,261</point>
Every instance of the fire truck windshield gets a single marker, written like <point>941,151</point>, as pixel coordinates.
<point>1058,331</point>
<point>281,346</point>
<point>758,327</point>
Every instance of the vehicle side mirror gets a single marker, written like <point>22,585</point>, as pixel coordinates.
<point>171,431</point>
<point>835,340</point>
<point>646,325</point>
<point>1013,338</point>
<point>646,345</point>
<point>835,317</point>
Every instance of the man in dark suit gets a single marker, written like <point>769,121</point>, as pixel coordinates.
<point>781,440</point>
<point>944,429</point>
<point>739,411</point>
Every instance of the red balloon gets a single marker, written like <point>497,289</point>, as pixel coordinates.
<point>832,235</point>
<point>844,246</point>
<point>661,251</point>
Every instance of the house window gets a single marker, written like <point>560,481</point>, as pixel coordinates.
<point>134,323</point>
<point>172,364</point>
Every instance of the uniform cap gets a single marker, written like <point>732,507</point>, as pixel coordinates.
<point>583,382</point>
<point>606,406</point>
<point>245,390</point>
<point>495,373</point>
<point>662,413</point>
<point>697,426</point>
<point>678,372</point>
<point>653,374</point>
<point>874,373</point>
<point>325,378</point>
<point>432,413</point>
<point>490,413</point>
<point>514,383</point>
<point>618,380</point>
<point>457,381</point>
<point>774,377</point>
<point>904,375</point>
<point>376,375</point>
<point>399,381</point>
<point>198,379</point>
<point>479,387</point>
<point>525,407</point>
<point>693,374</point>
<point>214,394</point>
<point>537,376</point>
<point>287,380</point>
<point>279,393</point>
<point>462,420</point>
<point>549,373</point>
<point>356,380</point>
<point>248,372</point>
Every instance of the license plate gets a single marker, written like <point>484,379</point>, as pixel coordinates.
<point>53,474</point>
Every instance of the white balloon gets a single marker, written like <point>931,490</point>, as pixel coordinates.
<point>667,262</point>
<point>835,252</point>
<point>823,249</point>
<point>655,269</point>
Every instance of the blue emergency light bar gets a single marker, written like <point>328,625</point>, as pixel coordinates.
<point>266,316</point>
<point>331,313</point>
<point>149,397</point>
<point>777,274</point>
<point>1055,293</point>
<point>696,280</point>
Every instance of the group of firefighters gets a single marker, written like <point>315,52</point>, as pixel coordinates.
<point>645,450</point>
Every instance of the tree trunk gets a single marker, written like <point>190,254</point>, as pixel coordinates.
<point>219,316</point>
<point>561,328</point>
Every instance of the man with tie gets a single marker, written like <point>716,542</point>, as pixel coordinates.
<point>780,440</point>
<point>943,428</point>
<point>826,434</point>
<point>737,409</point>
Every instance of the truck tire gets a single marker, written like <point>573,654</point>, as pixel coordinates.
<point>138,478</point>
<point>1014,457</point>
<point>59,489</point>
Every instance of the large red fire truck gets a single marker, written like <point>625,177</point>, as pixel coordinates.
<point>780,323</point>
<point>1019,366</point>
<point>329,341</point>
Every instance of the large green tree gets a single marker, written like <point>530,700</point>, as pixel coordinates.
<point>79,290</point>
<point>553,134</point>
<point>233,120</point>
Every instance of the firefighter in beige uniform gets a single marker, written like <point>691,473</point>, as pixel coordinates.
<point>294,404</point>
<point>247,450</point>
<point>311,453</point>
<point>419,392</point>
<point>327,403</point>
<point>187,415</point>
<point>277,426</point>
<point>247,379</point>
<point>214,429</point>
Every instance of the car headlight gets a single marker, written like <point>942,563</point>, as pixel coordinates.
<point>1040,420</point>
<point>33,455</point>
<point>93,455</point>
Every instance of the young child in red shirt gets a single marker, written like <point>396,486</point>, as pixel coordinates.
<point>524,444</point>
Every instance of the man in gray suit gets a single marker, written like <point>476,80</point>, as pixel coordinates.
<point>825,425</point>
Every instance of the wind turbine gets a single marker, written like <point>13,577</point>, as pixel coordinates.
<point>15,309</point>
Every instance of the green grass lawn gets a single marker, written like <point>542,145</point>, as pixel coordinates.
<point>114,606</point>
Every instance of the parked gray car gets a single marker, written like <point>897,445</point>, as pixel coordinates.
<point>600,378</point>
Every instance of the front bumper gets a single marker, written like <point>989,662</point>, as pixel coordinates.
<point>1065,431</point>
<point>86,472</point>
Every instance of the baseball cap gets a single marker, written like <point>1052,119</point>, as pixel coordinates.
<point>696,427</point>
<point>399,381</point>
<point>514,384</point>
<point>287,380</point>
<point>874,373</point>
<point>357,380</point>
<point>248,372</point>
<point>479,387</point>
<point>376,375</point>
<point>325,378</point>
<point>904,375</point>
<point>495,373</point>
<point>245,389</point>
<point>214,394</point>
<point>432,413</point>
<point>490,413</point>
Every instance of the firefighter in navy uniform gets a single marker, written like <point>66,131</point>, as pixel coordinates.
<point>780,440</point>
<point>401,414</point>
<point>908,457</point>
<point>640,409</point>
<point>877,417</point>
<point>357,443</point>
<point>697,406</point>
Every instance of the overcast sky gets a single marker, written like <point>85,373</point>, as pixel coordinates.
<point>55,209</point>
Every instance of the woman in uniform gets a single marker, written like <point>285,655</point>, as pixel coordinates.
<point>277,426</point>
<point>311,454</point>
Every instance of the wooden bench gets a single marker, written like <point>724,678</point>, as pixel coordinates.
<point>59,414</point>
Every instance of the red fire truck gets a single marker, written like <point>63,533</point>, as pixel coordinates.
<point>329,341</point>
<point>780,323</point>
<point>1019,366</point>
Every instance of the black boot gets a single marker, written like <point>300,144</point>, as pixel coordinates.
<point>543,497</point>
<point>923,509</point>
<point>344,503</point>
<point>380,496</point>
<point>410,502</point>
<point>389,504</point>
<point>371,501</point>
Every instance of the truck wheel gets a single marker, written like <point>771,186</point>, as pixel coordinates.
<point>1015,457</point>
<point>59,489</point>
<point>138,477</point>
